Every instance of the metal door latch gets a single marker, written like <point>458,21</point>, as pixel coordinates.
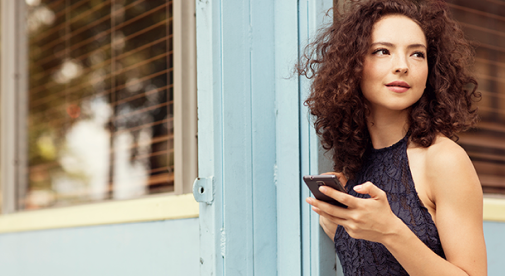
<point>203,189</point>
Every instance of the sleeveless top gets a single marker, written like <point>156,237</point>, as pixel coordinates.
<point>387,168</point>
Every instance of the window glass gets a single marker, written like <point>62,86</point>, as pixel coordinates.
<point>100,101</point>
<point>484,24</point>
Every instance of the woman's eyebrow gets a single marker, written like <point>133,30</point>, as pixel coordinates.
<point>389,44</point>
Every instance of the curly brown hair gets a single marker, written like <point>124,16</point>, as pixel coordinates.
<point>334,60</point>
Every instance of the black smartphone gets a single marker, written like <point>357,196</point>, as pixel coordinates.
<point>316,181</point>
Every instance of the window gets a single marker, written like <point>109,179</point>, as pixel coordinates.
<point>99,101</point>
<point>483,22</point>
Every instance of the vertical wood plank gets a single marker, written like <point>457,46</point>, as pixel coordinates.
<point>289,251</point>
<point>236,137</point>
<point>238,79</point>
<point>323,252</point>
<point>208,36</point>
<point>305,143</point>
<point>320,255</point>
<point>262,59</point>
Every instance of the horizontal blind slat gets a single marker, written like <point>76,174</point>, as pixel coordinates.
<point>78,87</point>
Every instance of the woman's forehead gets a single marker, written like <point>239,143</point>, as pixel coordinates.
<point>397,29</point>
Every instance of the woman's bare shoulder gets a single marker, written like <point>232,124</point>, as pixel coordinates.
<point>444,153</point>
<point>449,167</point>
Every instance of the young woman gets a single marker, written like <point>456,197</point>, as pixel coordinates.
<point>390,91</point>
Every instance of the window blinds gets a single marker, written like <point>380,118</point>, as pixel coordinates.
<point>484,24</point>
<point>100,120</point>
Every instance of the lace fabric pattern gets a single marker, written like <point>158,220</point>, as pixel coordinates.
<point>388,169</point>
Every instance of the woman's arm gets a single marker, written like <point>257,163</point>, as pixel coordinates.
<point>457,195</point>
<point>458,199</point>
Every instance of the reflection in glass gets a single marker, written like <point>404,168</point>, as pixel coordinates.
<point>100,100</point>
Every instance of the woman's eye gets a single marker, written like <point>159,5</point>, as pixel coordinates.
<point>381,52</point>
<point>419,54</point>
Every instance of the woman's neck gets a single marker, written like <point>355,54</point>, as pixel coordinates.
<point>387,128</point>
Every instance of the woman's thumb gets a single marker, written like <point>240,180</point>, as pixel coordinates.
<point>368,188</point>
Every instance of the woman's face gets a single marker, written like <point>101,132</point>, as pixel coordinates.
<point>395,67</point>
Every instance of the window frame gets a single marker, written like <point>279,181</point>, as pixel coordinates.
<point>14,110</point>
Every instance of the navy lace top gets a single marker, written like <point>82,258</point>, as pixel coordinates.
<point>388,169</point>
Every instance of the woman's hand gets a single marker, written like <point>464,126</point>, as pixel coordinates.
<point>329,226</point>
<point>340,176</point>
<point>365,218</point>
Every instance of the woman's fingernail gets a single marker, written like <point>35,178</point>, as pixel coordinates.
<point>322,189</point>
<point>309,200</point>
<point>358,188</point>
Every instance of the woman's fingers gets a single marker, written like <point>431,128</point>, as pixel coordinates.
<point>332,210</point>
<point>365,218</point>
<point>346,199</point>
<point>351,201</point>
<point>341,177</point>
<point>370,189</point>
<point>328,218</point>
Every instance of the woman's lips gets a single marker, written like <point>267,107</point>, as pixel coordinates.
<point>398,89</point>
<point>398,86</point>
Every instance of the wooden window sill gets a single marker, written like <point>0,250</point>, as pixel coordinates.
<point>150,208</point>
<point>494,209</point>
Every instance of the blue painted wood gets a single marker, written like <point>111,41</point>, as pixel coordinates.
<point>208,36</point>
<point>494,233</point>
<point>323,252</point>
<point>238,80</point>
<point>252,227</point>
<point>262,59</point>
<point>320,258</point>
<point>150,248</point>
<point>236,137</point>
<point>305,129</point>
<point>287,144</point>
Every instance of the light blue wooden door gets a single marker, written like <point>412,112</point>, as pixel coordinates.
<point>236,128</point>
<point>255,140</point>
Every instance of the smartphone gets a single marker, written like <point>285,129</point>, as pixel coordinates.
<point>316,181</point>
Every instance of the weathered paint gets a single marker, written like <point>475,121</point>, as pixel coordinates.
<point>256,139</point>
<point>209,149</point>
<point>235,53</point>
<point>288,174</point>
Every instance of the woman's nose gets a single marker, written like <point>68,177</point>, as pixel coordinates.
<point>402,70</point>
<point>400,65</point>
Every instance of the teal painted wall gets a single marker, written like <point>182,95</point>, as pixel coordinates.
<point>494,233</point>
<point>168,247</point>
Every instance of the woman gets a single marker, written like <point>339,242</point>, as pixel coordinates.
<point>390,91</point>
